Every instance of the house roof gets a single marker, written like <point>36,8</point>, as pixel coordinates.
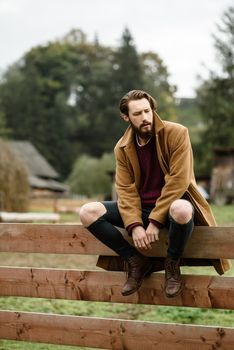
<point>35,163</point>
<point>40,173</point>
<point>48,184</point>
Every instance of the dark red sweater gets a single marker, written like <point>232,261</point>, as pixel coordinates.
<point>152,178</point>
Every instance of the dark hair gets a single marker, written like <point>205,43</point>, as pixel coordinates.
<point>135,95</point>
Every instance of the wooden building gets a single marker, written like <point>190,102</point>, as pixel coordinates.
<point>43,178</point>
<point>222,176</point>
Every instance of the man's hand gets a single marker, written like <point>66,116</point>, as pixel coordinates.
<point>152,232</point>
<point>140,238</point>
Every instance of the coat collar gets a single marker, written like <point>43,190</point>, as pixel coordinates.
<point>128,136</point>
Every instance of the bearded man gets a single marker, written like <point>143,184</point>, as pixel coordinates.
<point>155,187</point>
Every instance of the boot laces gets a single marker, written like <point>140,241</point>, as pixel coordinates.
<point>172,268</point>
<point>129,267</point>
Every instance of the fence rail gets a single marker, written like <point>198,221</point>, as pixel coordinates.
<point>71,284</point>
<point>206,242</point>
<point>200,291</point>
<point>111,333</point>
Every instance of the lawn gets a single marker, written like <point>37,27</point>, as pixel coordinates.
<point>224,216</point>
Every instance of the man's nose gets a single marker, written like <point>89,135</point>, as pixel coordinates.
<point>144,116</point>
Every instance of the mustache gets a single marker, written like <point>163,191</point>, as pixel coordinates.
<point>145,124</point>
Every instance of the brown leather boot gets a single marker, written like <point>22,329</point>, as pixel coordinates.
<point>173,281</point>
<point>138,267</point>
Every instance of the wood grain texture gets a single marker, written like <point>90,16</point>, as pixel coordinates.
<point>206,242</point>
<point>111,333</point>
<point>199,291</point>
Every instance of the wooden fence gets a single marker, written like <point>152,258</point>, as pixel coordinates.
<point>105,333</point>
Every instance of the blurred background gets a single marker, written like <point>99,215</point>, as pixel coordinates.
<point>64,66</point>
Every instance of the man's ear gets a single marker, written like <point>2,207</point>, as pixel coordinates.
<point>125,117</point>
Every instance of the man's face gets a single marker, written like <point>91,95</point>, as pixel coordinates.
<point>140,116</point>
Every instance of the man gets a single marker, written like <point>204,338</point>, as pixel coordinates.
<point>156,187</point>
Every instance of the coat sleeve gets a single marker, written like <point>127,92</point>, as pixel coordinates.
<point>129,202</point>
<point>180,173</point>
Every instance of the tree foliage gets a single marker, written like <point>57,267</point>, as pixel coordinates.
<point>215,95</point>
<point>63,96</point>
<point>4,132</point>
<point>156,83</point>
<point>92,176</point>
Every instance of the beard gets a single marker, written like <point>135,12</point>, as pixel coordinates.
<point>141,132</point>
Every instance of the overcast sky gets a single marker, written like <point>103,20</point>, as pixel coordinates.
<point>180,31</point>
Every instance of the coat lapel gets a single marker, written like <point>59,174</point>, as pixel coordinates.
<point>161,159</point>
<point>131,153</point>
<point>159,126</point>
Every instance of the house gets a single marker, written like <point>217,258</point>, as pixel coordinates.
<point>222,177</point>
<point>43,178</point>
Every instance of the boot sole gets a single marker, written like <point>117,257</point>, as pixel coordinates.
<point>146,274</point>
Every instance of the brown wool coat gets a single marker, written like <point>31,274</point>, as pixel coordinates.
<point>176,160</point>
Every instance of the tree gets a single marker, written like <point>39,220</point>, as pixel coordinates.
<point>90,176</point>
<point>55,98</point>
<point>215,95</point>
<point>224,43</point>
<point>4,132</point>
<point>63,96</point>
<point>29,98</point>
<point>126,73</point>
<point>127,68</point>
<point>156,83</point>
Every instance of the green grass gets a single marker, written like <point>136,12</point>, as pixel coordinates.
<point>224,216</point>
<point>16,345</point>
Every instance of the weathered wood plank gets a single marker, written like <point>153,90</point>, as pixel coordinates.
<point>111,333</point>
<point>206,242</point>
<point>28,217</point>
<point>199,291</point>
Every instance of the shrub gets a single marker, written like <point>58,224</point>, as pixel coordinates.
<point>90,176</point>
<point>14,185</point>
